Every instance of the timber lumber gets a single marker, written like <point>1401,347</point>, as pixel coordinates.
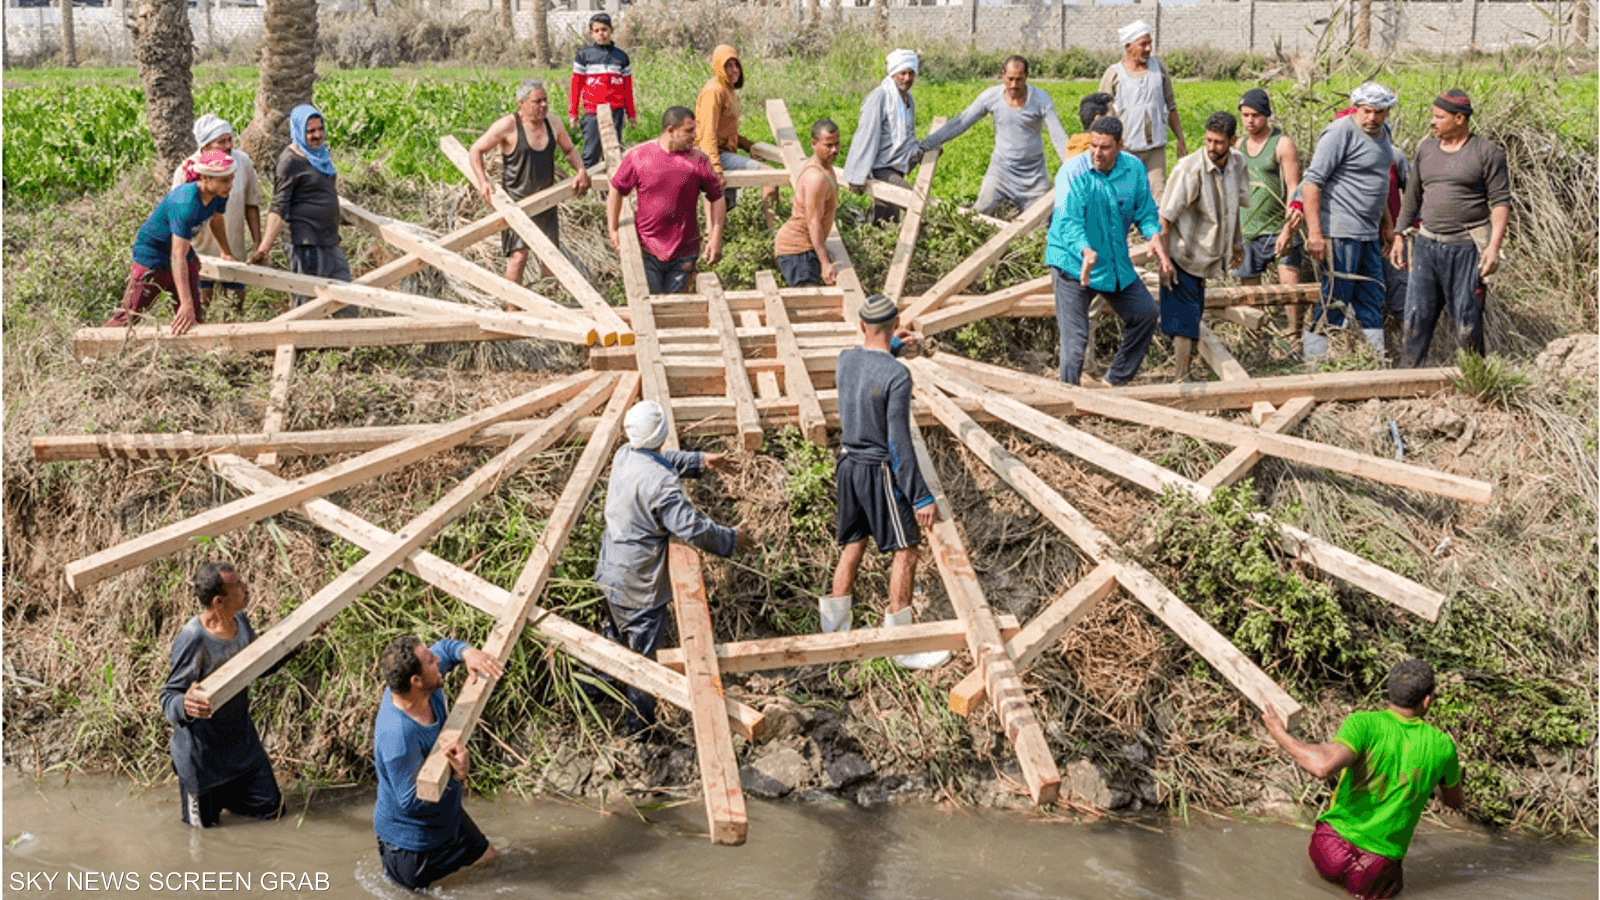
<point>986,306</point>
<point>612,329</point>
<point>767,386</point>
<point>843,646</point>
<point>521,324</point>
<point>631,252</point>
<point>1243,458</point>
<point>1298,450</point>
<point>900,263</point>
<point>1330,559</point>
<point>239,513</point>
<point>1322,387</point>
<point>734,373</point>
<point>580,643</point>
<point>275,643</point>
<point>458,266</point>
<point>1216,355</point>
<point>984,640</point>
<point>1216,649</point>
<point>1042,632</point>
<point>1249,317</point>
<point>846,279</point>
<point>970,268</point>
<point>216,268</point>
<point>314,334</point>
<point>434,776</point>
<point>796,371</point>
<point>277,401</point>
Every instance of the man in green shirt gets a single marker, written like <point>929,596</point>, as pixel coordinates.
<point>1389,762</point>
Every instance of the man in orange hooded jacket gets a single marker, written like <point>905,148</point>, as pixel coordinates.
<point>717,112</point>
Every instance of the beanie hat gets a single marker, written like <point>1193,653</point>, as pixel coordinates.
<point>878,309</point>
<point>1257,99</point>
<point>645,425</point>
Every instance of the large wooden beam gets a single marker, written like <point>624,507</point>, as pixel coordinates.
<point>522,324</point>
<point>1299,450</point>
<point>1037,213</point>
<point>985,641</point>
<point>894,283</point>
<point>1216,649</point>
<point>735,375</point>
<point>277,401</point>
<point>950,316</point>
<point>434,776</point>
<point>1238,463</point>
<point>796,372</point>
<point>580,643</point>
<point>248,337</point>
<point>837,647</point>
<point>292,630</point>
<point>848,282</point>
<point>239,513</point>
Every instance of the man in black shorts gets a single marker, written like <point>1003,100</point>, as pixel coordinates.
<point>881,491</point>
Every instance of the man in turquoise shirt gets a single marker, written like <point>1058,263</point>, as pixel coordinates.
<point>1087,250</point>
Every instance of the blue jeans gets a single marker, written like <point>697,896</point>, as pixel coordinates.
<point>1355,277</point>
<point>593,152</point>
<point>669,276</point>
<point>1133,306</point>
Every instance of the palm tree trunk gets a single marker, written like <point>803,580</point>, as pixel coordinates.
<point>69,36</point>
<point>164,47</point>
<point>541,33</point>
<point>1364,25</point>
<point>1580,22</point>
<point>288,70</point>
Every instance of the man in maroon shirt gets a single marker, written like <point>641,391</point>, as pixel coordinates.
<point>670,174</point>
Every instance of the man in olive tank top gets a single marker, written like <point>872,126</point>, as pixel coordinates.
<point>1273,164</point>
<point>527,140</point>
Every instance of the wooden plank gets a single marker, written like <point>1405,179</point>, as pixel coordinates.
<point>631,253</point>
<point>796,371</point>
<point>1371,577</point>
<point>735,375</point>
<point>249,337</point>
<point>1042,632</point>
<point>987,306</point>
<point>580,643</point>
<point>894,283</point>
<point>292,630</point>
<point>846,279</point>
<point>434,776</point>
<point>970,268</point>
<point>1216,355</point>
<point>719,767</point>
<point>277,401</point>
<point>1248,317</point>
<point>837,647</point>
<point>1238,463</point>
<point>239,513</point>
<point>215,268</point>
<point>522,324</point>
<point>1243,674</point>
<point>988,647</point>
<point>767,387</point>
<point>1350,462</point>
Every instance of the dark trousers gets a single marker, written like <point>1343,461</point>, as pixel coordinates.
<point>593,152</point>
<point>1354,278</point>
<point>888,212</point>
<point>1443,277</point>
<point>1182,304</point>
<point>670,276</point>
<point>145,285</point>
<point>254,794</point>
<point>640,630</point>
<point>323,262</point>
<point>1133,306</point>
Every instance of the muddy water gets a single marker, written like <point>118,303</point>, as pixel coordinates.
<point>91,831</point>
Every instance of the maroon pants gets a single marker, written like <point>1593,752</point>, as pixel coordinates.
<point>1362,874</point>
<point>145,285</point>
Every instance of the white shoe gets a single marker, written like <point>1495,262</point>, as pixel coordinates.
<point>835,613</point>
<point>929,660</point>
<point>1315,346</point>
<point>1374,337</point>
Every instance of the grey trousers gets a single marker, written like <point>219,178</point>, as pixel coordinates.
<point>1133,306</point>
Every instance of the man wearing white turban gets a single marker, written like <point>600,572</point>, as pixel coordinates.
<point>1142,97</point>
<point>885,143</point>
<point>211,132</point>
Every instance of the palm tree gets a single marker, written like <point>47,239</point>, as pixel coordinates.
<point>69,37</point>
<point>164,48</point>
<point>541,33</point>
<point>288,70</point>
<point>1364,25</point>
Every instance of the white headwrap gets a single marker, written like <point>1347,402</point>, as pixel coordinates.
<point>1132,31</point>
<point>208,128</point>
<point>900,60</point>
<point>646,425</point>
<point>901,128</point>
<point>1373,94</point>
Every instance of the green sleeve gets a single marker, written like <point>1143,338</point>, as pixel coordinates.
<point>1353,733</point>
<point>1452,768</point>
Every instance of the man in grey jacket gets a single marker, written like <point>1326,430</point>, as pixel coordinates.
<point>645,507</point>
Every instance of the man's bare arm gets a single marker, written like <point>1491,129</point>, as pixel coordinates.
<point>1321,760</point>
<point>494,137</point>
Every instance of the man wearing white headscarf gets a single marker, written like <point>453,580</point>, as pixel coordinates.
<point>885,144</point>
<point>645,507</point>
<point>211,132</point>
<point>1142,97</point>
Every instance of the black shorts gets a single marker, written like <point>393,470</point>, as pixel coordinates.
<point>1258,254</point>
<point>869,503</point>
<point>255,795</point>
<point>416,869</point>
<point>511,242</point>
<point>800,269</point>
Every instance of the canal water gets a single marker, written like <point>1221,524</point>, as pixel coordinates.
<point>98,836</point>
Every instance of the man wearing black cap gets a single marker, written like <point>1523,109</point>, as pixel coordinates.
<point>1273,164</point>
<point>1460,188</point>
<point>881,491</point>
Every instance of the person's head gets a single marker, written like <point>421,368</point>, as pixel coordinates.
<point>645,425</point>
<point>211,132</point>
<point>677,128</point>
<point>1410,684</point>
<point>217,586</point>
<point>306,127</point>
<point>902,66</point>
<point>1372,102</point>
<point>407,666</point>
<point>1452,115</point>
<point>1093,107</point>
<point>879,315</point>
<point>532,99</point>
<point>1136,40</point>
<point>1014,75</point>
<point>1220,132</point>
<point>1255,112</point>
<point>825,140</point>
<point>725,63</point>
<point>214,170</point>
<point>600,29</point>
<point>1105,142</point>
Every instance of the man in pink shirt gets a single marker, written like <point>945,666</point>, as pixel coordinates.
<point>670,174</point>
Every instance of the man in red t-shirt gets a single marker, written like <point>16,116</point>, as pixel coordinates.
<point>670,174</point>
